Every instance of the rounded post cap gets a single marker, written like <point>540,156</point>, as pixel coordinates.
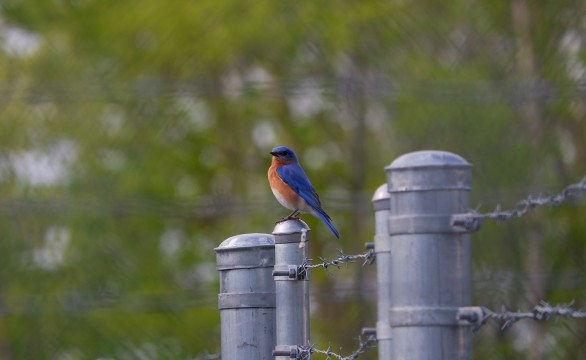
<point>427,158</point>
<point>246,241</point>
<point>381,193</point>
<point>290,227</point>
<point>380,199</point>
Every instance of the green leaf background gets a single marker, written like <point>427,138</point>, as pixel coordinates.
<point>134,138</point>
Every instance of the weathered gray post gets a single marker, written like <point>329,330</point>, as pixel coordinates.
<point>430,268</point>
<point>291,287</point>
<point>247,296</point>
<point>382,248</point>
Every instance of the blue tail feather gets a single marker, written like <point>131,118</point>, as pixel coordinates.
<point>326,219</point>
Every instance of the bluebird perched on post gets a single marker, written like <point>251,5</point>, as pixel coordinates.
<point>292,187</point>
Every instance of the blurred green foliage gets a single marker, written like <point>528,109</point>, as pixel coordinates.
<point>134,138</point>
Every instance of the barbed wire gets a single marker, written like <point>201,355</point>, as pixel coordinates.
<point>523,207</point>
<point>369,257</point>
<point>364,345</point>
<point>541,311</point>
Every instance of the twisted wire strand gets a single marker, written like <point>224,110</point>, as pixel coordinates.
<point>524,206</point>
<point>368,256</point>
<point>364,345</point>
<point>541,312</point>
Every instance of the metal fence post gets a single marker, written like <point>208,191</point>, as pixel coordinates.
<point>430,267</point>
<point>291,288</point>
<point>382,248</point>
<point>247,296</point>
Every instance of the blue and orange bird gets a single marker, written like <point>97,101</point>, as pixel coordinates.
<point>292,187</point>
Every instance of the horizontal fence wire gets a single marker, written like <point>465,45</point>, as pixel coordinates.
<point>523,207</point>
<point>369,257</point>
<point>542,311</point>
<point>364,345</point>
<point>473,220</point>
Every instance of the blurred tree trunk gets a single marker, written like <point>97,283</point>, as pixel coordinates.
<point>531,116</point>
<point>354,98</point>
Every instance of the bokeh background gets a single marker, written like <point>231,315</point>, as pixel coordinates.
<point>134,138</point>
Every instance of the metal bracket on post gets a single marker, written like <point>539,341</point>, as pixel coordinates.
<point>434,224</point>
<point>369,331</point>
<point>437,316</point>
<point>289,272</point>
<point>470,316</point>
<point>468,222</point>
<point>289,351</point>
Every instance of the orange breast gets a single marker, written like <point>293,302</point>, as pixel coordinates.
<point>286,197</point>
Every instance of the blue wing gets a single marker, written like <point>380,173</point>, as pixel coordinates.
<point>294,176</point>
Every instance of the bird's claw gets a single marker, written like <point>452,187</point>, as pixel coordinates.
<point>290,217</point>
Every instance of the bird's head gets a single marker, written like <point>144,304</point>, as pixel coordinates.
<point>284,155</point>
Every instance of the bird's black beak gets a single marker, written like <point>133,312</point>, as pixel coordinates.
<point>273,153</point>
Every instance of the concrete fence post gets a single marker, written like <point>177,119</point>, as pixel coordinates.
<point>291,288</point>
<point>247,296</point>
<point>430,281</point>
<point>382,249</point>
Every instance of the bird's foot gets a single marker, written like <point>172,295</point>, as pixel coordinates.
<point>290,217</point>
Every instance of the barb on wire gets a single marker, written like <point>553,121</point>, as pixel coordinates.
<point>306,351</point>
<point>542,311</point>
<point>524,206</point>
<point>342,258</point>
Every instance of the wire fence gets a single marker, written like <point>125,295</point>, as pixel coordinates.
<point>524,206</point>
<point>369,257</point>
<point>364,345</point>
<point>541,312</point>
